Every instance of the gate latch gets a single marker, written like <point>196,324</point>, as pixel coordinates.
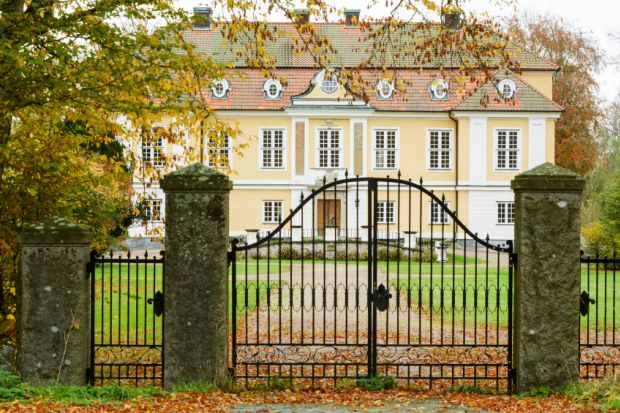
<point>584,302</point>
<point>158,303</point>
<point>382,297</point>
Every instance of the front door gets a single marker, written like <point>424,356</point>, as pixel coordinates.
<point>328,214</point>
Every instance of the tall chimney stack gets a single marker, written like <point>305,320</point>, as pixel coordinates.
<point>351,17</point>
<point>202,18</point>
<point>302,15</point>
<point>451,16</point>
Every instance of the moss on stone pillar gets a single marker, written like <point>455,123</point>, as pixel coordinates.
<point>53,303</point>
<point>546,309</point>
<point>196,279</point>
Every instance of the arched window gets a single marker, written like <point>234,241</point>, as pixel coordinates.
<point>220,88</point>
<point>273,89</point>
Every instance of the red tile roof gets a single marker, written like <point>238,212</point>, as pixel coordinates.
<point>246,93</point>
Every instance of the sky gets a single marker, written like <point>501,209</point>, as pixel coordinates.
<point>598,18</point>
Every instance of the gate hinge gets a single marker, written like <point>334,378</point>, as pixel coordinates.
<point>513,259</point>
<point>230,257</point>
<point>88,374</point>
<point>90,267</point>
<point>231,372</point>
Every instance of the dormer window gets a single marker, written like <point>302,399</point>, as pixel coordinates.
<point>439,89</point>
<point>507,88</point>
<point>220,89</point>
<point>329,84</point>
<point>385,89</point>
<point>273,89</point>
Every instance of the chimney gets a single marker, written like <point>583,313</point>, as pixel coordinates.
<point>302,16</point>
<point>351,17</point>
<point>451,16</point>
<point>202,18</point>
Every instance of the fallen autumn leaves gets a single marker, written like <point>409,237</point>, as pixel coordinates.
<point>218,401</point>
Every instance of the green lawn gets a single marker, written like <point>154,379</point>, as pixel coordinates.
<point>602,288</point>
<point>122,314</point>
<point>459,296</point>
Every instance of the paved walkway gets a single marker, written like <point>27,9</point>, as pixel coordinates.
<point>414,407</point>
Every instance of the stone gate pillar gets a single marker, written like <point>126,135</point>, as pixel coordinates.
<point>53,303</point>
<point>546,309</point>
<point>196,279</point>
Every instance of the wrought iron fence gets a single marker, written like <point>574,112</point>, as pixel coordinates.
<point>599,306</point>
<point>321,310</point>
<point>127,318</point>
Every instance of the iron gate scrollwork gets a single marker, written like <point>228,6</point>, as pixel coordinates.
<point>398,287</point>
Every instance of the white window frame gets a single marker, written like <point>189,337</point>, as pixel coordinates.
<point>209,148</point>
<point>318,149</point>
<point>496,149</point>
<point>376,150</point>
<point>450,149</point>
<point>225,86</point>
<point>273,219</point>
<point>278,86</point>
<point>380,93</point>
<point>329,82</point>
<point>432,204</point>
<point>503,209</point>
<point>511,84</point>
<point>155,148</point>
<point>435,91</point>
<point>262,149</point>
<point>149,204</point>
<point>383,216</point>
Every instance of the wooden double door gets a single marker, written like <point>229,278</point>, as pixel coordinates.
<point>328,214</point>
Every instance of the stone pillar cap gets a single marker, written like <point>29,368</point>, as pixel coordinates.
<point>196,177</point>
<point>56,230</point>
<point>548,177</point>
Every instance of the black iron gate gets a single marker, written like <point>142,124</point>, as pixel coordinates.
<point>372,277</point>
<point>127,319</point>
<point>599,306</point>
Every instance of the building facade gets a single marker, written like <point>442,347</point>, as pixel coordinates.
<point>465,141</point>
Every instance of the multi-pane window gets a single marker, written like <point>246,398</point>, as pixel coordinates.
<point>386,212</point>
<point>438,213</point>
<point>505,212</point>
<point>385,147</point>
<point>153,209</point>
<point>329,148</point>
<point>439,149</point>
<point>272,212</point>
<point>272,148</point>
<point>507,149</point>
<point>218,150</point>
<point>152,151</point>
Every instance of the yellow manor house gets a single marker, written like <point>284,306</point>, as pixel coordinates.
<point>311,128</point>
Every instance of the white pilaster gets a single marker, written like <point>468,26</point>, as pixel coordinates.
<point>537,143</point>
<point>478,150</point>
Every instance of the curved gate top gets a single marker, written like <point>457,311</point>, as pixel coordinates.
<point>373,277</point>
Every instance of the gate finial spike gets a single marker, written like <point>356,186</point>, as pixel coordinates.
<point>421,181</point>
<point>346,173</point>
<point>111,254</point>
<point>128,254</point>
<point>399,174</point>
<point>302,197</point>
<point>443,197</point>
<point>146,253</point>
<point>324,179</point>
<point>488,238</point>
